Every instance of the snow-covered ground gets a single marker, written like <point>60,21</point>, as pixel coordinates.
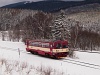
<point>9,53</point>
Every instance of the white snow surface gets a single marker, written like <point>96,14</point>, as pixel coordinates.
<point>9,51</point>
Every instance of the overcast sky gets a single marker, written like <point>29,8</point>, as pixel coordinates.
<point>6,2</point>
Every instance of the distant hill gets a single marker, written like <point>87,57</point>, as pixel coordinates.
<point>47,6</point>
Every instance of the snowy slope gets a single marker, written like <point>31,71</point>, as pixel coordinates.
<point>9,51</point>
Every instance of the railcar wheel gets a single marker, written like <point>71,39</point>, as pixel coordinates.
<point>55,57</point>
<point>32,52</point>
<point>36,53</point>
<point>47,55</point>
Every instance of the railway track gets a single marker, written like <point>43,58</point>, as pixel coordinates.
<point>81,63</point>
<point>72,61</point>
<point>88,51</point>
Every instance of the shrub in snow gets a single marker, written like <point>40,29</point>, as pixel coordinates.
<point>71,53</point>
<point>22,68</point>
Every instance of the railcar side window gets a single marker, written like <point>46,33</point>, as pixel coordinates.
<point>31,44</point>
<point>38,44</point>
<point>45,45</point>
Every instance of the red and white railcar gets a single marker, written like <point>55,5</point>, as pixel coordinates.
<point>55,49</point>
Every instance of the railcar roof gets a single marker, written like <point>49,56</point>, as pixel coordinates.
<point>46,40</point>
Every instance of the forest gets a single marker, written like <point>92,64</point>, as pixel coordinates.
<point>80,29</point>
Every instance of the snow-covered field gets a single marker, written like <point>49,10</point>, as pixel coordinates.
<point>13,63</point>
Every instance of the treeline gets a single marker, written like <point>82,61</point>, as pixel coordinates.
<point>92,0</point>
<point>84,39</point>
<point>18,24</point>
<point>37,26</point>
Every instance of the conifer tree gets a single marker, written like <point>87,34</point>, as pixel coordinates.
<point>59,28</point>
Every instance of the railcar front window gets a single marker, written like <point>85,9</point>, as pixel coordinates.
<point>65,46</point>
<point>58,46</point>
